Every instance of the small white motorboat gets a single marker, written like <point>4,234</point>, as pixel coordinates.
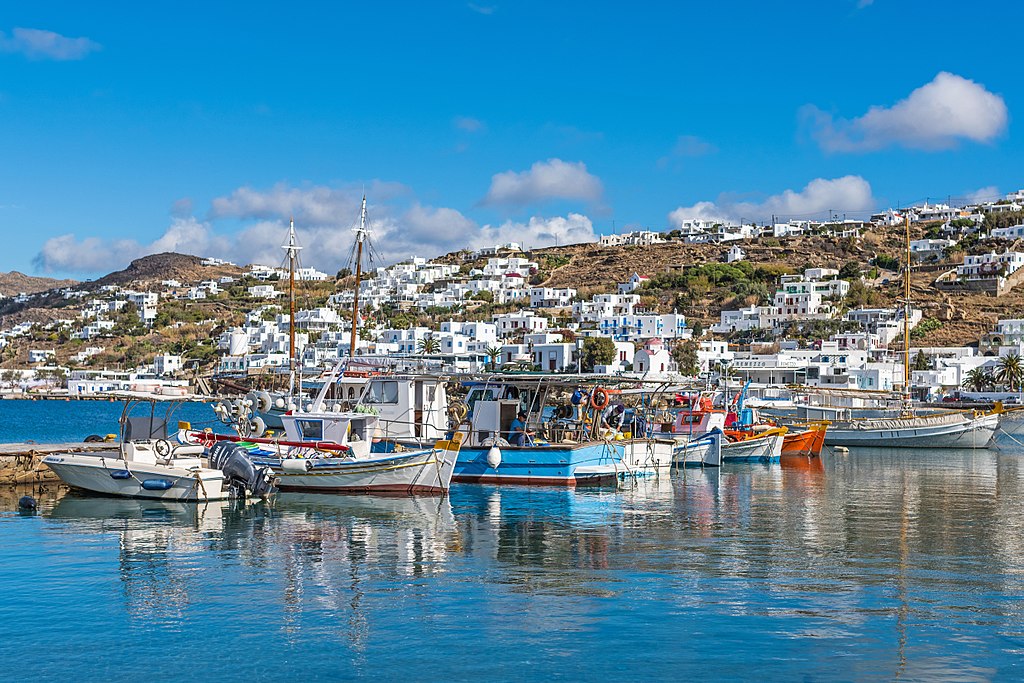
<point>149,465</point>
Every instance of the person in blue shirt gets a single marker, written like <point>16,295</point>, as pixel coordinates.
<point>518,434</point>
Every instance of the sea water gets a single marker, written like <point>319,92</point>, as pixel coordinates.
<point>877,565</point>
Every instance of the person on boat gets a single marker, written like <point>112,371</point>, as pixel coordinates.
<point>518,434</point>
<point>611,418</point>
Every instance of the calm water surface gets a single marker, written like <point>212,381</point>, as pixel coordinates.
<point>879,565</point>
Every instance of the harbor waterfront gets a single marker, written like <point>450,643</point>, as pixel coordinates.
<point>877,564</point>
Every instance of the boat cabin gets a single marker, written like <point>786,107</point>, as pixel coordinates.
<point>410,408</point>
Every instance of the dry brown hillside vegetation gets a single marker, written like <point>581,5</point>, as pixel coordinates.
<point>690,278</point>
<point>14,283</point>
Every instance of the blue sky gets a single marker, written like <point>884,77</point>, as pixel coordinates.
<point>202,127</point>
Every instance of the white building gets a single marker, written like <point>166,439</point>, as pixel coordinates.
<point>1013,232</point>
<point>263,292</point>
<point>549,297</point>
<point>523,321</point>
<point>735,254</point>
<point>40,355</point>
<point>990,265</point>
<point>166,364</point>
<point>637,237</point>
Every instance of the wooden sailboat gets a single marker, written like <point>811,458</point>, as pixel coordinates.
<point>941,430</point>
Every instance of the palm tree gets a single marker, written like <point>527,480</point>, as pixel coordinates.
<point>1010,371</point>
<point>977,379</point>
<point>493,354</point>
<point>429,345</point>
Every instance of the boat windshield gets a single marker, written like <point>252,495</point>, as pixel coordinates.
<point>311,430</point>
<point>381,391</point>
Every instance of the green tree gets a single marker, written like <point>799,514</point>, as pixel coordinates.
<point>850,270</point>
<point>1009,371</point>
<point>921,361</point>
<point>597,351</point>
<point>493,354</point>
<point>685,356</point>
<point>428,345</point>
<point>978,379</point>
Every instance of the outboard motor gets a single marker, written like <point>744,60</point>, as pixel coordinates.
<point>243,477</point>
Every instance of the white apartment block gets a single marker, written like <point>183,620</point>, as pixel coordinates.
<point>605,306</point>
<point>523,321</point>
<point>990,265</point>
<point>637,237</point>
<point>549,297</point>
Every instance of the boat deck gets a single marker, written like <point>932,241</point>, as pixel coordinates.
<point>21,463</point>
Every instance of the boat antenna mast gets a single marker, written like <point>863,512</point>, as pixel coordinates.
<point>292,249</point>
<point>361,234</point>
<point>906,316</point>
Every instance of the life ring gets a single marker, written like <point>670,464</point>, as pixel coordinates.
<point>599,399</point>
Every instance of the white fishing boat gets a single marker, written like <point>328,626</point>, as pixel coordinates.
<point>642,457</point>
<point>150,465</point>
<point>943,430</point>
<point>765,448</point>
<point>326,452</point>
<point>705,451</point>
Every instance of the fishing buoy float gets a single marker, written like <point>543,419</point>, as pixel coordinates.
<point>265,402</point>
<point>295,464</point>
<point>493,457</point>
<point>279,403</point>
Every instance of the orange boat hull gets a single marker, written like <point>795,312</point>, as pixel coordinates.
<point>804,443</point>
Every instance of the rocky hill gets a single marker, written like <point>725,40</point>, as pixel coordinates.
<point>14,283</point>
<point>166,266</point>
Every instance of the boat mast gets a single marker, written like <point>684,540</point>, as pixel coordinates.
<point>360,236</point>
<point>906,314</point>
<point>292,248</point>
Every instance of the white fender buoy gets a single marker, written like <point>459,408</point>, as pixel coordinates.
<point>336,407</point>
<point>259,427</point>
<point>309,407</point>
<point>279,402</point>
<point>291,407</point>
<point>493,457</point>
<point>265,401</point>
<point>295,464</point>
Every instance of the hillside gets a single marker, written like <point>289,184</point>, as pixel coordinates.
<point>14,283</point>
<point>689,278</point>
<point>166,266</point>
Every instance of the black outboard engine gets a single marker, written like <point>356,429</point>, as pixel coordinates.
<point>243,477</point>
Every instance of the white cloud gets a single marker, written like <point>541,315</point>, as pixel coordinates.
<point>861,4</point>
<point>38,44</point>
<point>539,232</point>
<point>546,180</point>
<point>486,10</point>
<point>983,194</point>
<point>935,116</point>
<point>469,124</point>
<point>849,194</point>
<point>324,219</point>
<point>67,253</point>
